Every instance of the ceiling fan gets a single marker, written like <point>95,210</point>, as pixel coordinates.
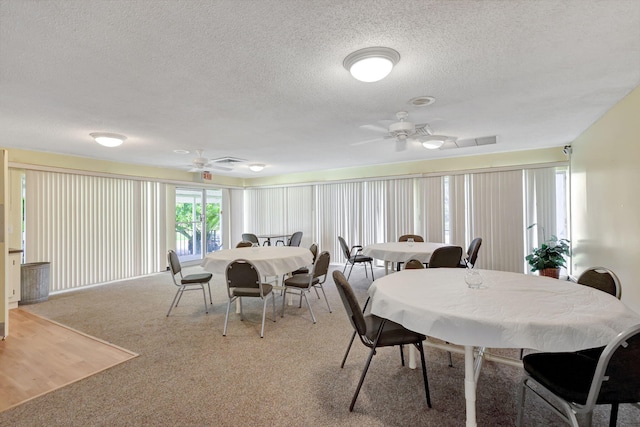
<point>201,163</point>
<point>404,130</point>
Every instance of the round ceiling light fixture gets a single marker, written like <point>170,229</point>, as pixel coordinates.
<point>108,139</point>
<point>422,101</point>
<point>371,64</point>
<point>256,167</point>
<point>433,142</point>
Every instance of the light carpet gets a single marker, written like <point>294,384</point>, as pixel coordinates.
<point>188,374</point>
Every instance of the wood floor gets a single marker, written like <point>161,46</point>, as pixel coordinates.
<point>40,356</point>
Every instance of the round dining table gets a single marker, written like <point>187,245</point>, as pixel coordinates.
<point>391,252</point>
<point>269,260</point>
<point>273,261</point>
<point>509,310</point>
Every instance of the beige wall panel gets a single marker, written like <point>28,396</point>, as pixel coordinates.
<point>605,172</point>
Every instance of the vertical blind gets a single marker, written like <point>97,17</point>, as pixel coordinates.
<point>94,229</point>
<point>280,210</point>
<point>99,229</point>
<point>495,212</point>
<point>430,202</point>
<point>451,208</point>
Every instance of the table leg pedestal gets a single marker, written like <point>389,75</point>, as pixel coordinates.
<point>412,357</point>
<point>470,386</point>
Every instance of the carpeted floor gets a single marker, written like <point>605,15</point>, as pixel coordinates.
<point>188,374</point>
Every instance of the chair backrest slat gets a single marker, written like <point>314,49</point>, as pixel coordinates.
<point>617,376</point>
<point>603,279</point>
<point>250,237</point>
<point>415,237</point>
<point>413,264</point>
<point>446,256</point>
<point>345,248</point>
<point>472,252</point>
<point>241,273</point>
<point>174,262</point>
<point>314,251</point>
<point>321,266</point>
<point>350,303</point>
<point>295,239</point>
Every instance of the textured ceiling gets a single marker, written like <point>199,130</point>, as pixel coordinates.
<point>263,80</point>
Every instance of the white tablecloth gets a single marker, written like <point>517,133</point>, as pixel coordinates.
<point>269,260</point>
<point>512,311</point>
<point>402,251</point>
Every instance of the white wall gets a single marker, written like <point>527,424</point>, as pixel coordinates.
<point>605,199</point>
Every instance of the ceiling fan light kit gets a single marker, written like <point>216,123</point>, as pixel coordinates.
<point>433,142</point>
<point>371,64</point>
<point>256,167</point>
<point>108,139</point>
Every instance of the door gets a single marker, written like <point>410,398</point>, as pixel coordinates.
<point>197,229</point>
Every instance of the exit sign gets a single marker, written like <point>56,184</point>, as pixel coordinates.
<point>206,176</point>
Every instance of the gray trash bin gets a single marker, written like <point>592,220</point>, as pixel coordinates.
<point>34,282</point>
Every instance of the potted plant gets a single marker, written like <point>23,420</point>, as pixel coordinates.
<point>549,257</point>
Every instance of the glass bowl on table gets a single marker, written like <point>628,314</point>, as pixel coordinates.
<point>473,279</point>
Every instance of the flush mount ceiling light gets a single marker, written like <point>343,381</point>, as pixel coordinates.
<point>256,167</point>
<point>433,142</point>
<point>371,63</point>
<point>422,101</point>
<point>108,139</point>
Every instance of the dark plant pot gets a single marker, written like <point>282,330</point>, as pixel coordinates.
<point>550,272</point>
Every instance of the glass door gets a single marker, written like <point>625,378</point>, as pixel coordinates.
<point>213,221</point>
<point>197,229</point>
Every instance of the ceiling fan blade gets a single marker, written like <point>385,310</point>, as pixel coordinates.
<point>367,141</point>
<point>220,168</point>
<point>375,128</point>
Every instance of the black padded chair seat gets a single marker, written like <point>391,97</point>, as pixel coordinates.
<point>392,334</point>
<point>360,258</point>
<point>568,375</point>
<point>196,278</point>
<point>593,353</point>
<point>303,270</point>
<point>300,281</point>
<point>251,292</point>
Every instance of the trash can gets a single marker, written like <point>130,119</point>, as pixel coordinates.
<point>34,282</point>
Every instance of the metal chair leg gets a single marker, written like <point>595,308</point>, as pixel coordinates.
<point>273,299</point>
<point>424,372</point>
<point>226,318</point>
<point>520,402</point>
<point>353,335</point>
<point>181,290</point>
<point>366,366</point>
<point>325,296</point>
<point>350,270</point>
<point>284,298</point>
<point>172,302</point>
<point>264,313</point>
<point>308,305</point>
<point>613,418</point>
<point>346,353</point>
<point>204,295</point>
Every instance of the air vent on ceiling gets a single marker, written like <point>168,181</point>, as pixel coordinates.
<point>227,160</point>
<point>473,142</point>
